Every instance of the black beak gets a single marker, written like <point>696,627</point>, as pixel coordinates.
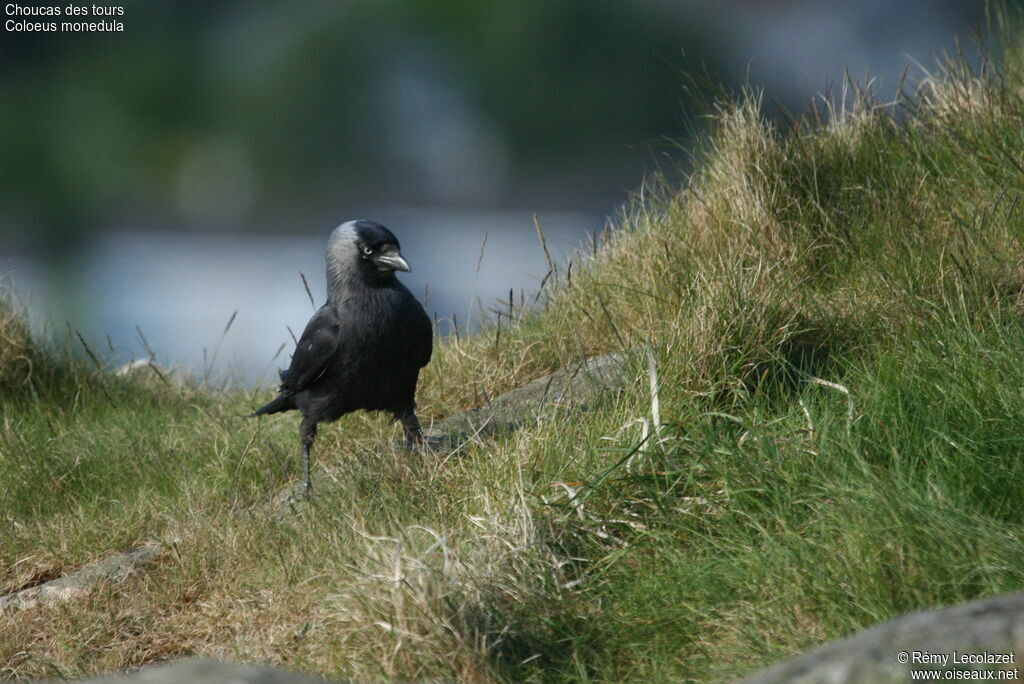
<point>392,260</point>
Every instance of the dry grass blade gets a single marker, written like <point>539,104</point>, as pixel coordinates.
<point>309,293</point>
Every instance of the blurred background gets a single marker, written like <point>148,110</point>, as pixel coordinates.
<point>156,180</point>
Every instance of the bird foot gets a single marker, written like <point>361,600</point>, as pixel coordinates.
<point>299,494</point>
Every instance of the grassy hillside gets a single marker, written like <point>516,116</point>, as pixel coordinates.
<point>836,313</point>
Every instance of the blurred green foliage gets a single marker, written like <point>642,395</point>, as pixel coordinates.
<point>100,126</point>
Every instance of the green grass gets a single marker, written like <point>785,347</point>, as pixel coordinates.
<point>836,312</point>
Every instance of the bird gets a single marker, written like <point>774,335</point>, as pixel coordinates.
<point>364,348</point>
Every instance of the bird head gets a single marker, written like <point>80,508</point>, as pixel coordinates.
<point>363,250</point>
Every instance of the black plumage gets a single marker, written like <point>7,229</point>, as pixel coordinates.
<point>364,348</point>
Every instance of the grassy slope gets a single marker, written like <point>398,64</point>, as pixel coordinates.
<point>879,251</point>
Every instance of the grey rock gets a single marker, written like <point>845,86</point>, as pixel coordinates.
<point>204,671</point>
<point>146,369</point>
<point>112,569</point>
<point>993,626</point>
<point>571,387</point>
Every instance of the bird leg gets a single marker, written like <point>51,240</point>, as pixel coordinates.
<point>411,427</point>
<point>307,433</point>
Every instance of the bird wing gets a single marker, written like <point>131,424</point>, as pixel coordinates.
<point>315,349</point>
<point>419,334</point>
<point>426,334</point>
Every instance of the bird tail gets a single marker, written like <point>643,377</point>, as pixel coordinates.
<point>282,402</point>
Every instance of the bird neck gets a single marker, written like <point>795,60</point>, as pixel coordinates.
<point>347,283</point>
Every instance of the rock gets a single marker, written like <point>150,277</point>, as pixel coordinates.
<point>132,366</point>
<point>112,569</point>
<point>148,371</point>
<point>993,626</point>
<point>573,386</point>
<point>204,671</point>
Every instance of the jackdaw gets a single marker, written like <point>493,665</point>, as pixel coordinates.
<point>364,348</point>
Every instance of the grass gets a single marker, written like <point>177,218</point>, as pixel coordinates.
<point>834,306</point>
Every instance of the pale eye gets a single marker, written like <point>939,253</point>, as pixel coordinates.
<point>367,251</point>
